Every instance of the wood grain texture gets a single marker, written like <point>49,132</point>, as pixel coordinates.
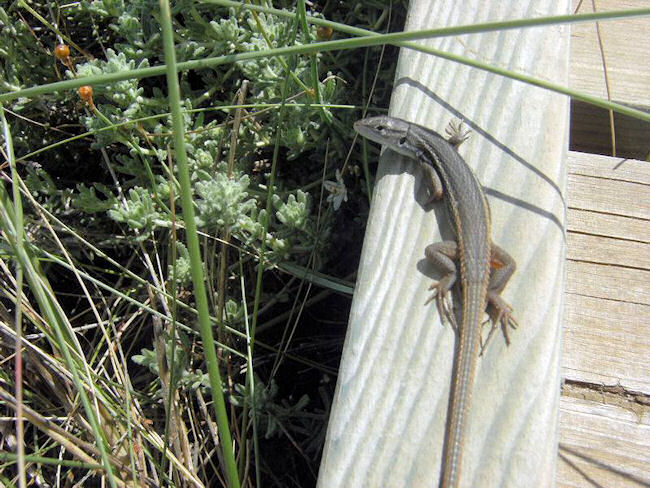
<point>626,49</point>
<point>604,410</point>
<point>607,331</point>
<point>388,421</point>
<point>603,444</point>
<point>625,56</point>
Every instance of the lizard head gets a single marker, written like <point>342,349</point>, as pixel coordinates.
<point>388,131</point>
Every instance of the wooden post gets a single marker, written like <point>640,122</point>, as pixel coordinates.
<point>388,421</point>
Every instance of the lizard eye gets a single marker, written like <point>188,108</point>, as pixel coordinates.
<point>402,141</point>
<point>380,128</point>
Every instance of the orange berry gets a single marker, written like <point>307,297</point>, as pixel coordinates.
<point>62,51</point>
<point>86,93</point>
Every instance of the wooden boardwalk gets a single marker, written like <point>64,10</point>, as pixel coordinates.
<point>604,407</point>
<point>387,422</point>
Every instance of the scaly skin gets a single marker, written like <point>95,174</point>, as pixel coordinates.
<point>484,268</point>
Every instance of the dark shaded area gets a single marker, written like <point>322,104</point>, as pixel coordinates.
<point>591,132</point>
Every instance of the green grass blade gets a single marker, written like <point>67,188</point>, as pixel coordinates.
<point>193,247</point>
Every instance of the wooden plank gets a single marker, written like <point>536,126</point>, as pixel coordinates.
<point>626,52</point>
<point>607,331</point>
<point>611,196</point>
<point>606,250</point>
<point>604,428</point>
<point>626,48</point>
<point>608,283</point>
<point>607,224</point>
<point>603,444</point>
<point>388,420</point>
<point>607,342</point>
<point>599,166</point>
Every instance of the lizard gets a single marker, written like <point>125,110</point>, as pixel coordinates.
<point>485,268</point>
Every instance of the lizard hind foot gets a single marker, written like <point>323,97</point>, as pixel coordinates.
<point>443,304</point>
<point>500,315</point>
